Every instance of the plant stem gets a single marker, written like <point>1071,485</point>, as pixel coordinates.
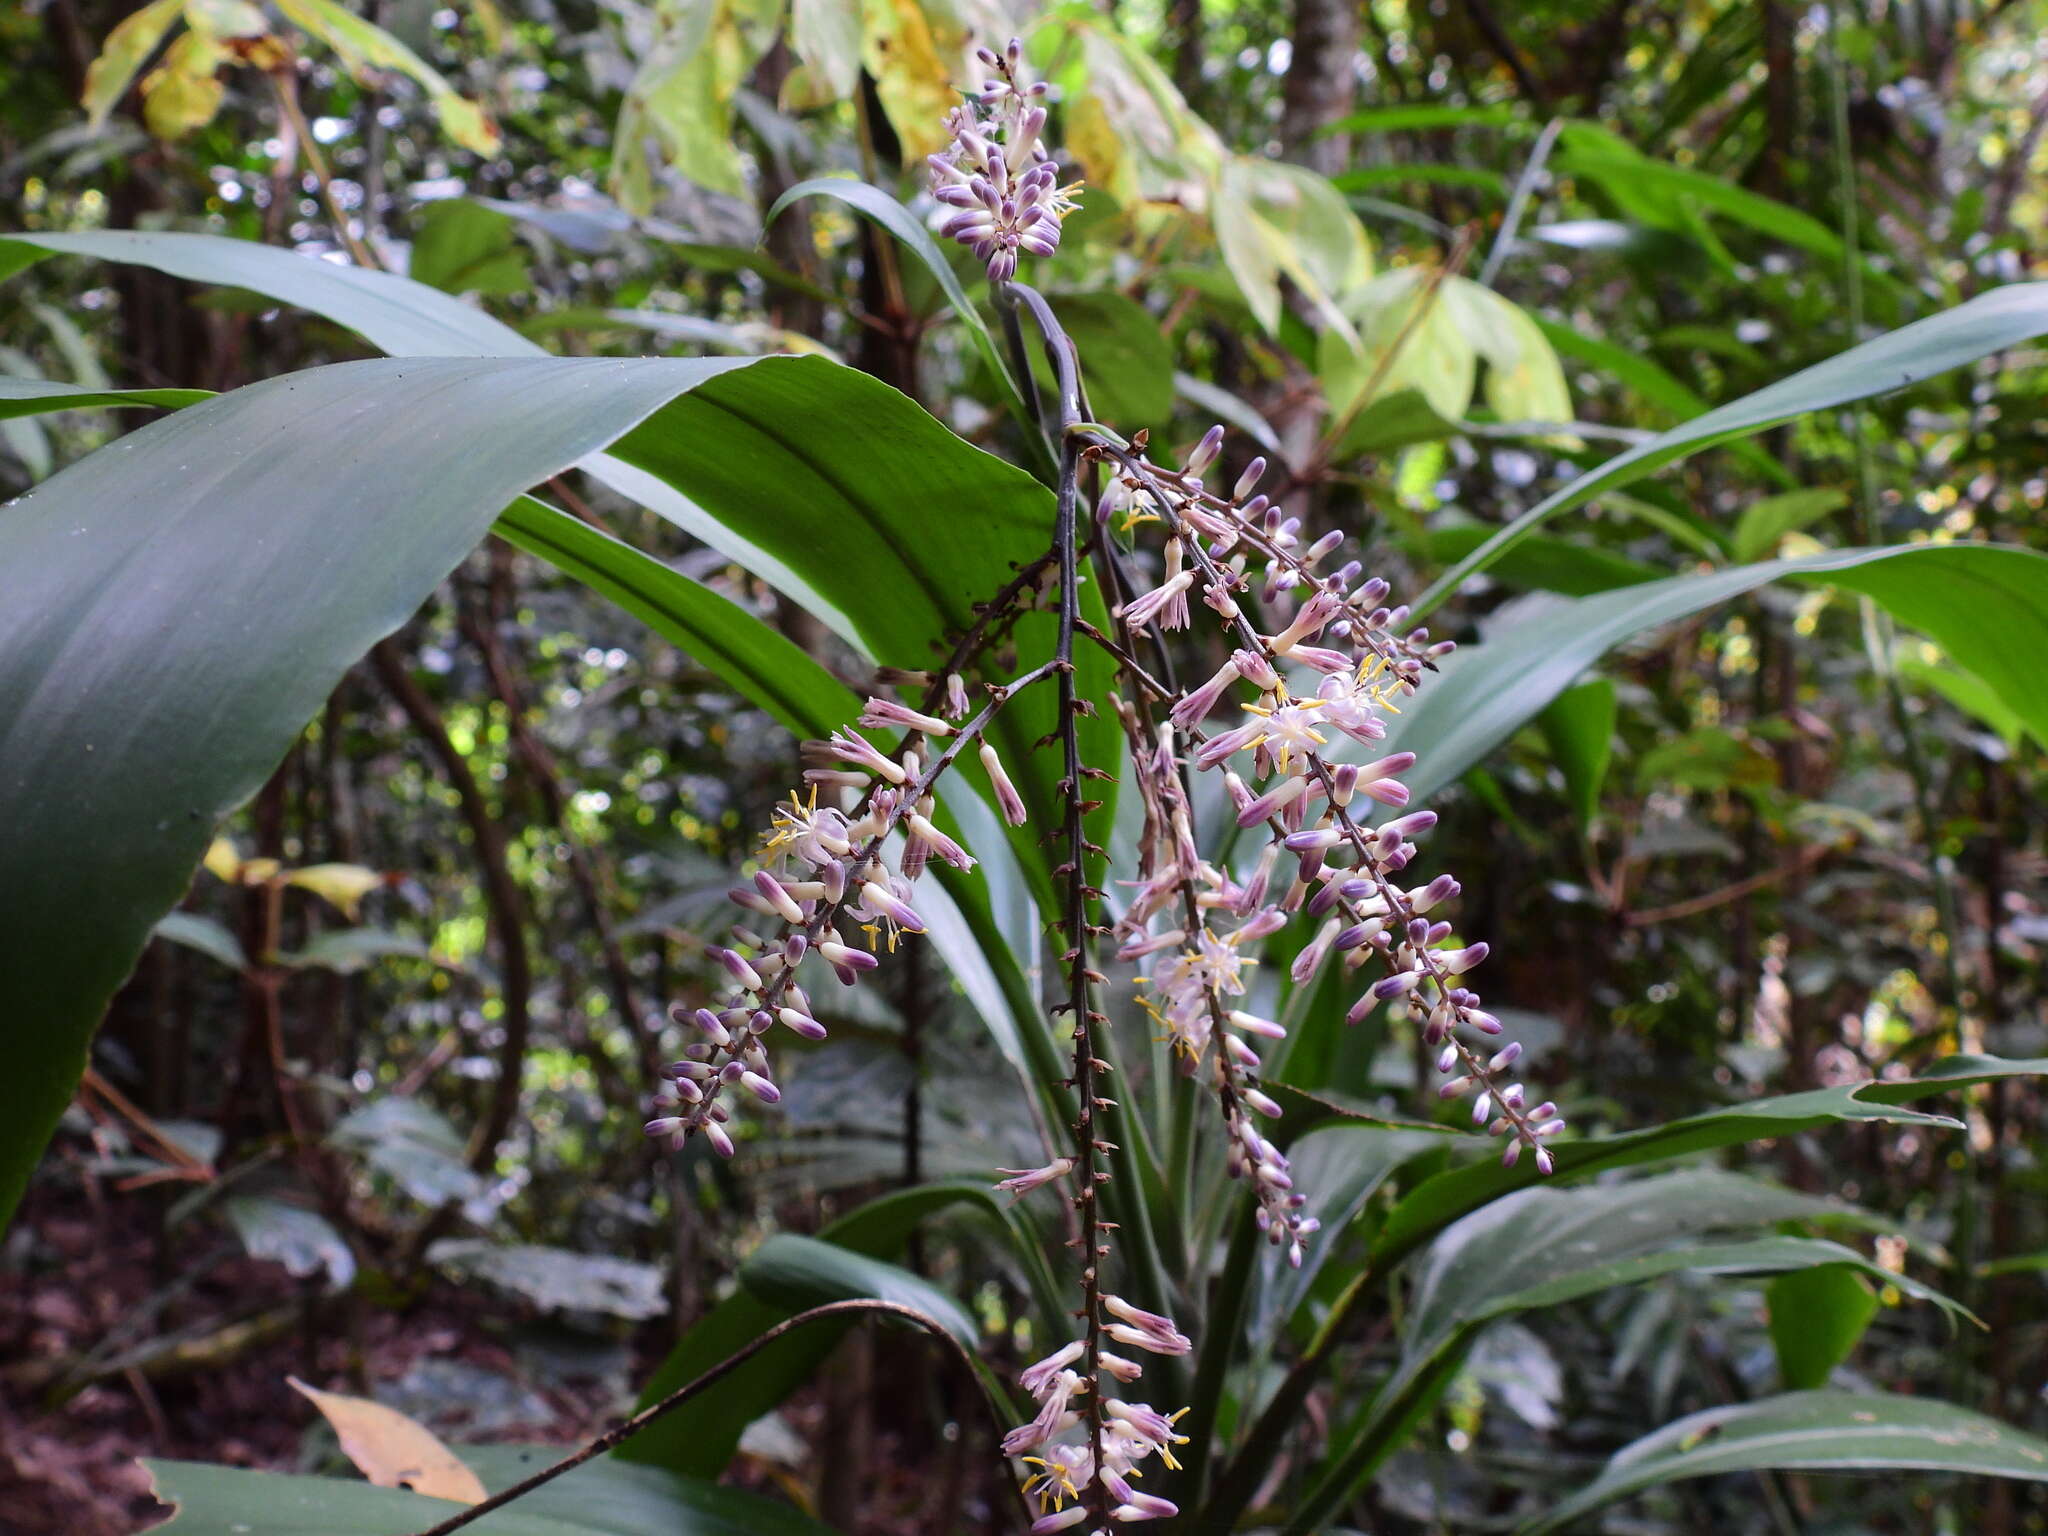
<point>284,82</point>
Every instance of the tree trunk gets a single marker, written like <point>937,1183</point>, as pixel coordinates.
<point>1321,84</point>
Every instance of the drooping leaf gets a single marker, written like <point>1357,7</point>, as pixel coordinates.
<point>464,246</point>
<point>1446,1196</point>
<point>122,56</point>
<point>1817,1315</point>
<point>1579,725</point>
<point>1985,604</point>
<point>797,1272</point>
<point>620,1498</point>
<point>1811,1432</point>
<point>1989,323</point>
<point>1545,1246</point>
<point>196,931</point>
<point>414,1145</point>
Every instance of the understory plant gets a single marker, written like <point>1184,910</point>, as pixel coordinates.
<point>1140,751</point>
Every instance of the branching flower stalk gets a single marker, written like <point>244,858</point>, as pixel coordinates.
<point>1324,660</point>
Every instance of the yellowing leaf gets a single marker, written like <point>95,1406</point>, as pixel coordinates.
<point>127,49</point>
<point>183,93</point>
<point>826,36</point>
<point>222,861</point>
<point>912,60</point>
<point>340,885</point>
<point>365,48</point>
<point>225,18</point>
<point>391,1450</point>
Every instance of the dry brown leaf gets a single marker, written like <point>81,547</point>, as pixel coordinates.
<point>391,1450</point>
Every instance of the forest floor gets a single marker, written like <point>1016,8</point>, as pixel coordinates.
<point>80,1284</point>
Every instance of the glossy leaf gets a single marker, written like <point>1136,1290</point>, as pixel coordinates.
<point>1542,1247</point>
<point>798,1272</point>
<point>1989,323</point>
<point>1811,1432</point>
<point>1986,605</point>
<point>1446,1196</point>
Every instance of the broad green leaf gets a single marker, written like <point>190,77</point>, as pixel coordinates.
<point>396,315</point>
<point>29,397</point>
<point>125,51</point>
<point>1579,725</point>
<point>1763,523</point>
<point>1446,1196</point>
<point>1985,604</point>
<point>1656,386</point>
<point>412,1144</point>
<point>136,713</point>
<point>700,1437</point>
<point>348,950</point>
<point>1989,323</point>
<point>1126,363</point>
<point>1423,118</point>
<point>1542,1247</point>
<point>604,1498</point>
<point>759,662</point>
<point>797,1272</point>
<point>1811,1432</point>
<point>1817,1315</point>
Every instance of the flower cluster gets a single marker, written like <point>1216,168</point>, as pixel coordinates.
<point>821,867</point>
<point>1329,663</point>
<point>997,184</point>
<point>1126,1433</point>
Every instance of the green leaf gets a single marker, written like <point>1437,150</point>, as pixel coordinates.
<point>210,938</point>
<point>1579,725</point>
<point>366,48</point>
<point>1763,523</point>
<point>1544,563</point>
<point>1542,1247</point>
<point>794,1273</point>
<point>1817,1315</point>
<point>1985,604</point>
<point>1126,362</point>
<point>465,247</point>
<point>1446,1196</point>
<point>1989,323</point>
<point>1811,1432</point>
<point>758,662</point>
<point>899,221</point>
<point>136,713</point>
<point>603,1498</point>
<point>121,58</point>
<point>1969,693</point>
<point>700,1437</point>
<point>28,397</point>
<point>395,314</point>
<point>619,1498</point>
<point>412,1144</point>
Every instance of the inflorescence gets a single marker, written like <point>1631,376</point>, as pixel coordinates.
<point>1317,662</point>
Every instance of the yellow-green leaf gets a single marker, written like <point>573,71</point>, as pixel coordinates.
<point>127,49</point>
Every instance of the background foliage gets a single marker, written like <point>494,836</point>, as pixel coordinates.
<point>1746,817</point>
